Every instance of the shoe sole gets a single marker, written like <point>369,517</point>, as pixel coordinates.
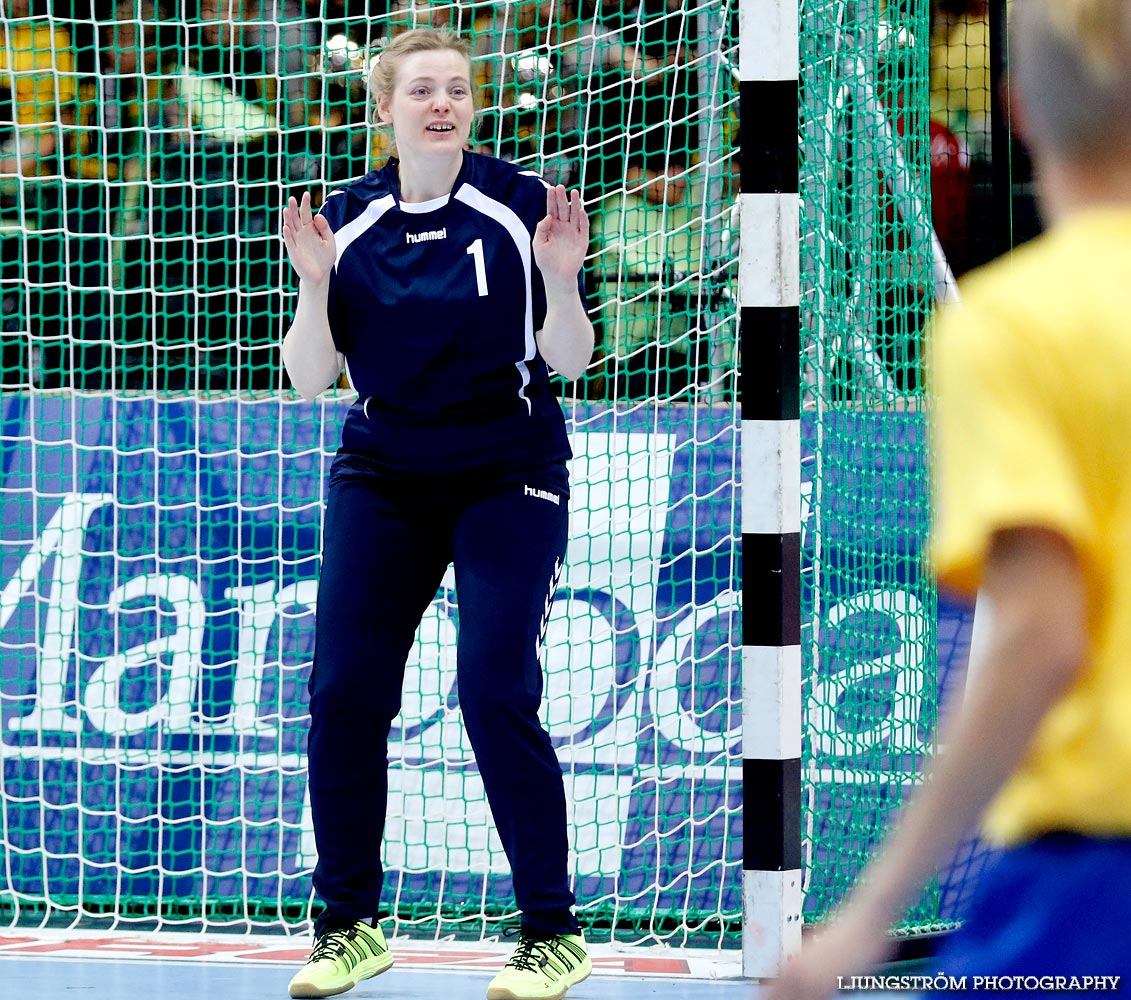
<point>366,970</point>
<point>502,993</point>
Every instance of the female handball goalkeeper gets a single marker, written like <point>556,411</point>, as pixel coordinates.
<point>447,283</point>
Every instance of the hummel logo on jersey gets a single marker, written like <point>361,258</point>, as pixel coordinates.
<point>431,234</point>
<point>530,491</point>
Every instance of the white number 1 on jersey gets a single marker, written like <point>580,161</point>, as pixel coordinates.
<point>476,251</point>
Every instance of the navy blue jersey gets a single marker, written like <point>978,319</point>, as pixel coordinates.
<point>434,306</point>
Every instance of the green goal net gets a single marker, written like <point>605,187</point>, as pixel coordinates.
<point>884,203</point>
<point>161,486</point>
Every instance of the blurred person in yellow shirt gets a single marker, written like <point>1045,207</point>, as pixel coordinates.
<point>1032,376</point>
<point>37,90</point>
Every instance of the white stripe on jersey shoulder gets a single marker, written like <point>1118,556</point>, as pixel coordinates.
<point>532,173</point>
<point>355,227</point>
<point>509,220</point>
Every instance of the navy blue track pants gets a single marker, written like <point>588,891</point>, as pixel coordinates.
<point>386,546</point>
<point>1057,906</point>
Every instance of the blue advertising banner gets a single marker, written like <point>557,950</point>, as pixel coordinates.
<point>881,649</point>
<point>158,587</point>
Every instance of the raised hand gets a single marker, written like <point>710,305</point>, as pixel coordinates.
<point>309,241</point>
<point>561,239</point>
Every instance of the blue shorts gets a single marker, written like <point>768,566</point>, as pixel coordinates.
<point>1058,906</point>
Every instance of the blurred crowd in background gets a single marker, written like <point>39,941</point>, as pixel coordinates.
<point>146,147</point>
<point>163,137</point>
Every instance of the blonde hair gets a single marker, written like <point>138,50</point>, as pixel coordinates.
<point>383,76</point>
<point>1097,31</point>
<point>1071,63</point>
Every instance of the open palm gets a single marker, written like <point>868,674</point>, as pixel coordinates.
<point>309,241</point>
<point>562,237</point>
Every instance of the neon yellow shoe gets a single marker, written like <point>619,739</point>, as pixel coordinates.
<point>341,959</point>
<point>542,969</point>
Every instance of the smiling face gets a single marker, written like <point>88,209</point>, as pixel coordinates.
<point>430,105</point>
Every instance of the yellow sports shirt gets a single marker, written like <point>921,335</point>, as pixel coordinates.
<point>1032,375</point>
<point>37,63</point>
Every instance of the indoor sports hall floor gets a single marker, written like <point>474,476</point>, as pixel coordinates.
<point>58,965</point>
<point>118,965</point>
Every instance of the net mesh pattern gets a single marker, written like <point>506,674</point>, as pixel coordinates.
<point>161,485</point>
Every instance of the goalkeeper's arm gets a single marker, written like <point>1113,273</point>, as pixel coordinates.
<point>309,354</point>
